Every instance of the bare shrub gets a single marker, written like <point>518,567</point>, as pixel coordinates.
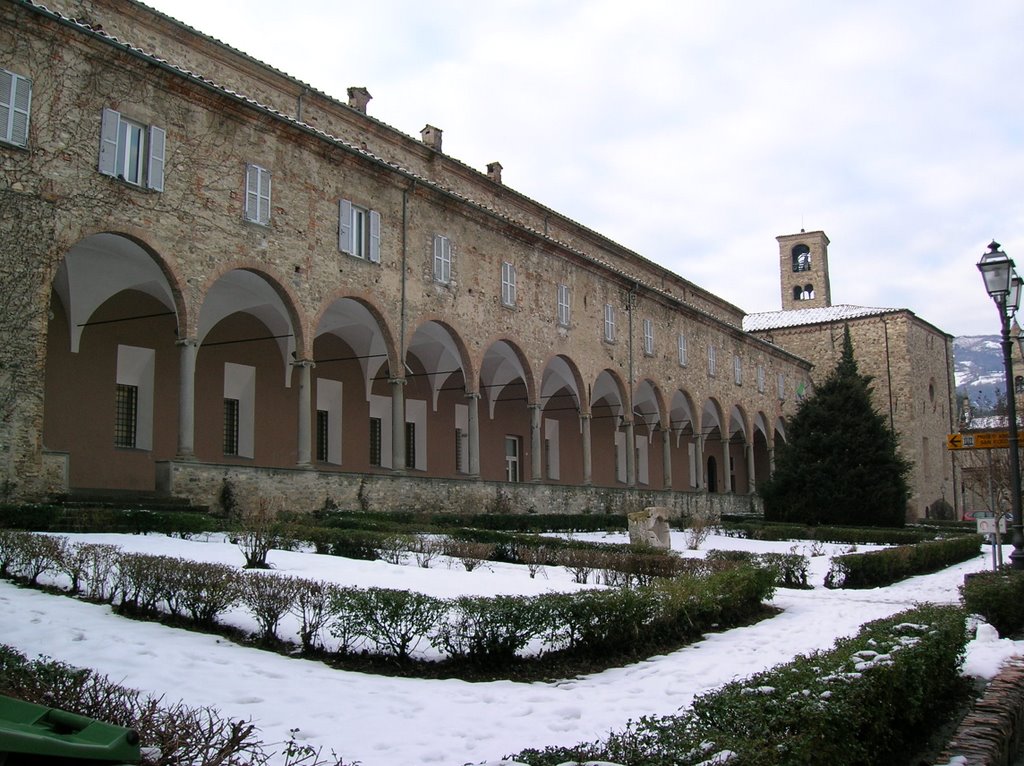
<point>426,549</point>
<point>269,597</point>
<point>313,606</point>
<point>260,531</point>
<point>392,548</point>
<point>535,557</point>
<point>209,590</point>
<point>701,524</point>
<point>39,554</point>
<point>99,571</point>
<point>470,554</point>
<point>581,563</point>
<point>12,543</point>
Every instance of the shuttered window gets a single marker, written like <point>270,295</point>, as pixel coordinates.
<point>131,151</point>
<point>508,285</point>
<point>442,259</point>
<point>358,231</point>
<point>257,194</point>
<point>15,105</point>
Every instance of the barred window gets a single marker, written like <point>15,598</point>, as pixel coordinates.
<point>231,411</point>
<point>458,451</point>
<point>126,415</point>
<point>375,441</point>
<point>410,445</point>
<point>322,431</point>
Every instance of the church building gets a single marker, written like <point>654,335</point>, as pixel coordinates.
<point>909,360</point>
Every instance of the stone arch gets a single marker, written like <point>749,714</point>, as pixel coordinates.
<point>684,421</point>
<point>608,408</point>
<point>101,265</point>
<point>563,406</point>
<point>116,309</point>
<point>713,436</point>
<point>254,291</point>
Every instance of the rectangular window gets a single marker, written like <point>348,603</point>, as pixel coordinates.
<point>508,285</point>
<point>712,360</point>
<point>132,151</point>
<point>648,337</point>
<point>563,305</point>
<point>358,231</point>
<point>15,105</point>
<point>231,411</point>
<point>737,370</point>
<point>125,415</point>
<point>257,194</point>
<point>780,383</point>
<point>512,458</point>
<point>682,350</point>
<point>375,435</point>
<point>410,445</point>
<point>323,433</point>
<point>442,259</point>
<point>760,379</point>
<point>609,323</point>
<point>458,451</point>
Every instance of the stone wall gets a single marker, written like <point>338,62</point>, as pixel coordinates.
<point>302,490</point>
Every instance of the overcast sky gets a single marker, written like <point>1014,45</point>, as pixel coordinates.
<point>695,133</point>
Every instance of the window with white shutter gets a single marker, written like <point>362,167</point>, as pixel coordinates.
<point>508,285</point>
<point>442,259</point>
<point>609,323</point>
<point>563,306</point>
<point>648,326</point>
<point>15,105</point>
<point>760,379</point>
<point>737,370</point>
<point>257,194</point>
<point>712,360</point>
<point>682,350</point>
<point>358,231</point>
<point>131,151</point>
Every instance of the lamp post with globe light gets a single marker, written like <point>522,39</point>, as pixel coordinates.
<point>1004,287</point>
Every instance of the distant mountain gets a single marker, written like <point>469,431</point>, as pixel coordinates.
<point>978,367</point>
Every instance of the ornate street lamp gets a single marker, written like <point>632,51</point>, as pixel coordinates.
<point>1004,287</point>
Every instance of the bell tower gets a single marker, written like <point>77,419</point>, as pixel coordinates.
<point>803,270</point>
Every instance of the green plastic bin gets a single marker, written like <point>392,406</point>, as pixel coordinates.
<point>32,733</point>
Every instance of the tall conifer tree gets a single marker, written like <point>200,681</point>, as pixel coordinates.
<point>839,464</point>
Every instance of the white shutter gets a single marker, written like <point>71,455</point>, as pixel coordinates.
<point>374,236</point>
<point>252,193</point>
<point>264,196</point>
<point>22,107</point>
<point>108,142</point>
<point>155,164</point>
<point>15,104</point>
<point>345,226</point>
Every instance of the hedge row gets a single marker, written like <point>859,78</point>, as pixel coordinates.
<point>768,530</point>
<point>884,567</point>
<point>866,701</point>
<point>55,518</point>
<point>997,597</point>
<point>384,622</point>
<point>170,734</point>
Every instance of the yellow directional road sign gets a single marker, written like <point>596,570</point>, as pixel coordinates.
<point>987,440</point>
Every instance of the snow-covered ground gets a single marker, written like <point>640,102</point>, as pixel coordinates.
<point>380,721</point>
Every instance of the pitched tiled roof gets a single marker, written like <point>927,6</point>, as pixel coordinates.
<point>773,320</point>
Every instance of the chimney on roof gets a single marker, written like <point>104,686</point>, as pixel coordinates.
<point>431,137</point>
<point>358,98</point>
<point>494,171</point>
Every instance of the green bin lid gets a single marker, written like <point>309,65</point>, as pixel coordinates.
<point>38,730</point>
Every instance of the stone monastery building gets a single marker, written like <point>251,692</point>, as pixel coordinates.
<point>910,363</point>
<point>223,274</point>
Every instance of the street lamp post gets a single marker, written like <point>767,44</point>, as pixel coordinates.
<point>1004,287</point>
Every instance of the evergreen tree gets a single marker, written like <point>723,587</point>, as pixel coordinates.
<point>840,464</point>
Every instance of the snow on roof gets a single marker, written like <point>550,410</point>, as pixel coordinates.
<point>771,320</point>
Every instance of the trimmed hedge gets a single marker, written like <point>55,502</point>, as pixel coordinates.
<point>884,567</point>
<point>996,596</point>
<point>771,530</point>
<point>866,701</point>
<point>54,518</point>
